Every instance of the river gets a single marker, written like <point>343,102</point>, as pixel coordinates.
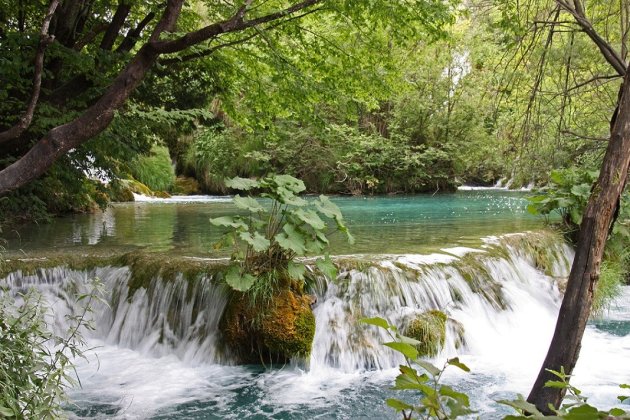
<point>156,355</point>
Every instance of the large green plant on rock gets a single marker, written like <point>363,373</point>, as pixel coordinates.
<point>270,315</point>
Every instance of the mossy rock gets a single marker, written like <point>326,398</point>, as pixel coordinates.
<point>186,186</point>
<point>429,328</point>
<point>161,194</point>
<point>271,333</point>
<point>137,187</point>
<point>121,193</point>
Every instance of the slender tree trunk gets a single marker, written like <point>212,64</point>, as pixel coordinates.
<point>598,216</point>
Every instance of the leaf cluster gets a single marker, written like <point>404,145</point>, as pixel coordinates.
<point>436,401</point>
<point>273,233</point>
<point>36,364</point>
<point>575,405</point>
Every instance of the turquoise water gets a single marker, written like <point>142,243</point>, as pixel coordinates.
<point>397,224</point>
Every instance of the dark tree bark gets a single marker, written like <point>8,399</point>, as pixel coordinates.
<point>596,223</point>
<point>97,117</point>
<point>122,11</point>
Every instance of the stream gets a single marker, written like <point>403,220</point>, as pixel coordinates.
<point>475,255</point>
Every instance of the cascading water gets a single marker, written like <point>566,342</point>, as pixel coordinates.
<point>160,356</point>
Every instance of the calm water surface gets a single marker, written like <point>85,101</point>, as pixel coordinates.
<point>398,224</point>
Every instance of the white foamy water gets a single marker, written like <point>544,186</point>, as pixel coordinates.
<point>158,354</point>
<point>183,199</point>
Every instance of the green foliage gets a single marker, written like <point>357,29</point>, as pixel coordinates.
<point>575,406</point>
<point>567,194</point>
<point>155,170</point>
<point>266,240</point>
<point>436,401</point>
<point>36,364</point>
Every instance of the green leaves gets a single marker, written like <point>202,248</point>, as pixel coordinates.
<point>435,400</point>
<point>243,184</point>
<point>229,221</point>
<point>292,239</point>
<point>405,349</point>
<point>238,280</point>
<point>258,242</point>
<point>327,267</point>
<point>248,203</point>
<point>272,237</point>
<point>379,322</point>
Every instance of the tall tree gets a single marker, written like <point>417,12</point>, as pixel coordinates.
<point>600,212</point>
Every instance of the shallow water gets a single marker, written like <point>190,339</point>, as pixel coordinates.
<point>395,224</point>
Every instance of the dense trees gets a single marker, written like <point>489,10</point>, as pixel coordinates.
<point>95,62</point>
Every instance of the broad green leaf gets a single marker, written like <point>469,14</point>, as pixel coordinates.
<point>243,184</point>
<point>248,203</point>
<point>291,239</point>
<point>328,208</point>
<point>413,374</point>
<point>404,381</point>
<point>289,182</point>
<point>256,240</point>
<point>455,362</point>
<point>458,396</point>
<point>582,412</point>
<point>398,405</point>
<point>521,405</point>
<point>377,321</point>
<point>296,270</point>
<point>408,340</point>
<point>432,369</point>
<point>321,237</point>
<point>581,190</point>
<point>617,412</point>
<point>229,221</point>
<point>238,281</point>
<point>327,267</point>
<point>556,384</point>
<point>310,218</point>
<point>407,350</point>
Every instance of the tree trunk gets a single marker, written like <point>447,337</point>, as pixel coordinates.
<point>598,216</point>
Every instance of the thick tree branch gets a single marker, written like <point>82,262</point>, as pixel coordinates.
<point>235,23</point>
<point>609,53</point>
<point>242,40</point>
<point>94,120</point>
<point>26,119</point>
<point>122,11</point>
<point>133,35</point>
<point>89,37</point>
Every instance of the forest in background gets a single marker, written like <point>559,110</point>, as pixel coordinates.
<point>476,93</point>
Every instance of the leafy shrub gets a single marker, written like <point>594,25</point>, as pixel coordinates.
<point>35,363</point>
<point>442,402</point>
<point>566,194</point>
<point>436,401</point>
<point>266,241</point>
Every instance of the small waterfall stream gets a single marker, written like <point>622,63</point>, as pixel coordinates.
<point>157,351</point>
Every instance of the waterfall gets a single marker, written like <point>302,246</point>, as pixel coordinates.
<point>512,277</point>
<point>176,317</point>
<point>159,347</point>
